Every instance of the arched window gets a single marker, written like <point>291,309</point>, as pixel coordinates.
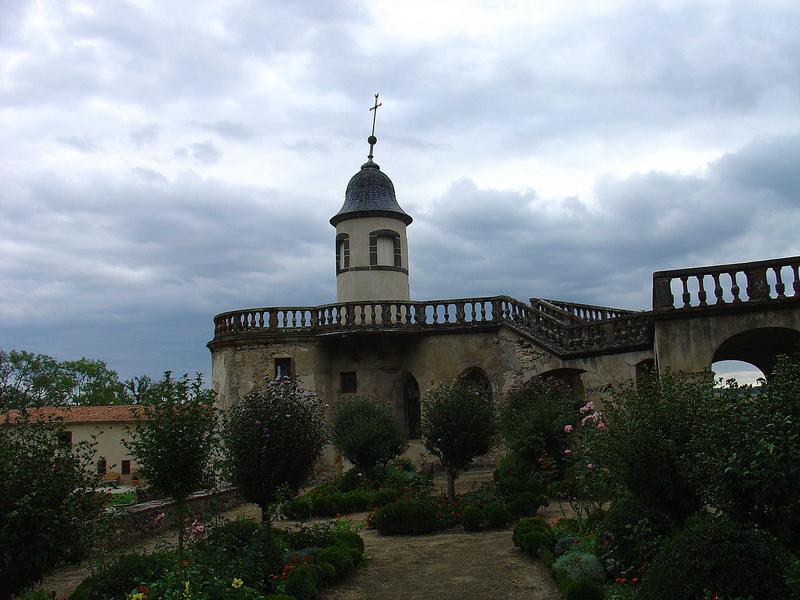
<point>384,248</point>
<point>342,252</point>
<point>477,379</point>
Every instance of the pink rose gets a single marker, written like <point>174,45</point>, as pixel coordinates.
<point>567,452</point>
<point>568,428</point>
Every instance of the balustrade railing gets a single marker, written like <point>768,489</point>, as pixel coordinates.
<point>718,285</point>
<point>581,312</point>
<point>548,329</point>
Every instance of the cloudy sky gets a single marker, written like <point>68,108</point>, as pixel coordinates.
<point>165,161</point>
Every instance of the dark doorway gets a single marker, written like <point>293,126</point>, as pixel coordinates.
<point>412,406</point>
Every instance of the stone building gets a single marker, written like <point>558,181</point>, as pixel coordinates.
<point>378,342</point>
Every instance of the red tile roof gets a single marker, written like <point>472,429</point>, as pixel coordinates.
<point>119,413</point>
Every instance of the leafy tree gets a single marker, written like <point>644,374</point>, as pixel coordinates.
<point>367,432</point>
<point>48,503</point>
<point>173,441</point>
<point>647,442</point>
<point>28,380</point>
<point>533,419</point>
<point>747,449</point>
<point>272,438</point>
<point>457,425</point>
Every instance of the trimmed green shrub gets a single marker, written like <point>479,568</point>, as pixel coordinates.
<point>714,553</point>
<point>574,566</point>
<point>324,506</point>
<point>367,432</point>
<point>564,544</point>
<point>584,589</point>
<point>409,517</point>
<point>298,509</point>
<point>533,535</point>
<point>472,518</point>
<point>39,594</point>
<point>351,539</point>
<point>339,557</point>
<point>326,572</point>
<point>524,504</point>
<point>498,515</point>
<point>118,577</point>
<point>302,583</point>
<point>384,496</point>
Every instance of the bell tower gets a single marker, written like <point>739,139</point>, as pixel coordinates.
<point>371,244</point>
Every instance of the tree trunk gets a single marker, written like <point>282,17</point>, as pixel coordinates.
<point>266,515</point>
<point>451,484</point>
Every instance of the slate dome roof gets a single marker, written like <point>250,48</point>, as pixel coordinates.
<point>370,193</point>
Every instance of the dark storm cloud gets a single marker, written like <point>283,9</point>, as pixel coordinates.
<point>483,241</point>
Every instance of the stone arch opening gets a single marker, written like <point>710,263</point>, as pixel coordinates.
<point>571,378</point>
<point>759,347</point>
<point>478,379</point>
<point>744,373</point>
<point>645,369</point>
<point>412,408</point>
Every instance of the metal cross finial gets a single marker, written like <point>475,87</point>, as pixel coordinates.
<point>372,139</point>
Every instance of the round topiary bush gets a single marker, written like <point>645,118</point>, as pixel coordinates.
<point>533,535</point>
<point>497,515</point>
<point>410,517</point>
<point>584,589</point>
<point>524,504</point>
<point>339,557</point>
<point>574,566</point>
<point>472,518</point>
<point>367,432</point>
<point>715,554</point>
<point>298,509</point>
<point>301,583</point>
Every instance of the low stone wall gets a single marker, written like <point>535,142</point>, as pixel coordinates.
<point>158,516</point>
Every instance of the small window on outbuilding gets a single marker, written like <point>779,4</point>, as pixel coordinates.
<point>283,367</point>
<point>348,383</point>
<point>66,438</point>
<point>126,467</point>
<point>101,466</point>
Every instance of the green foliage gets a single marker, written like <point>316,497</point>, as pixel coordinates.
<point>472,518</point>
<point>629,535</point>
<point>172,440</point>
<point>457,425</point>
<point>297,509</point>
<point>533,535</point>
<point>575,566</point>
<point>240,549</point>
<point>713,553</point>
<point>119,576</point>
<point>28,380</point>
<point>272,438</point>
<point>748,453</point>
<point>584,589</point>
<point>406,517</point>
<point>647,444</point>
<point>525,504</point>
<point>48,507</point>
<point>302,583</point>
<point>39,594</point>
<point>339,557</point>
<point>497,515</point>
<point>532,419</point>
<point>366,432</point>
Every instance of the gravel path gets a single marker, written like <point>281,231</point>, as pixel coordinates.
<point>450,565</point>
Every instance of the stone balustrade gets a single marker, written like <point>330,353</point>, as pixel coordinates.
<point>547,327</point>
<point>581,313</point>
<point>775,280</point>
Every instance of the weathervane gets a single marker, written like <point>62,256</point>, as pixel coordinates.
<point>372,139</point>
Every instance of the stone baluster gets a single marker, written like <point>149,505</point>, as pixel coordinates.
<point>780,287</point>
<point>686,296</point>
<point>796,282</point>
<point>701,292</point>
<point>718,291</point>
<point>734,287</point>
<point>273,319</point>
<point>460,313</point>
